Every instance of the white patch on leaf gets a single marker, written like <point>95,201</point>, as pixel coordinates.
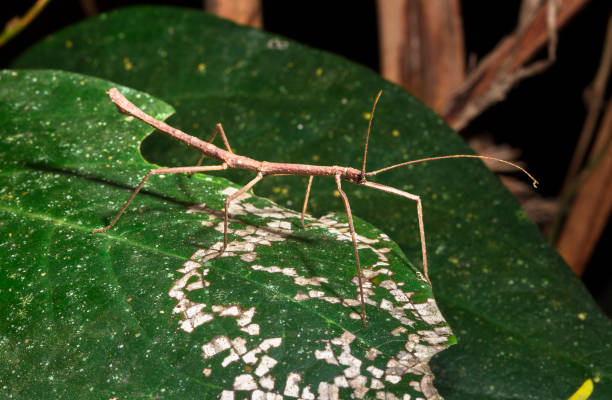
<point>352,371</point>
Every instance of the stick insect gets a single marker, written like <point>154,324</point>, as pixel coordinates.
<point>263,168</point>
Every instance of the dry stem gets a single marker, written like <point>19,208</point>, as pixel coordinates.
<point>243,12</point>
<point>17,24</point>
<point>593,96</point>
<point>592,205</point>
<point>505,66</point>
<point>421,47</point>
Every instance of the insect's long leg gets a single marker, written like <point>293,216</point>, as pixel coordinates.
<point>349,215</point>
<point>306,200</point>
<point>392,190</point>
<point>198,164</point>
<point>223,137</point>
<point>218,129</point>
<point>229,199</point>
<point>159,171</point>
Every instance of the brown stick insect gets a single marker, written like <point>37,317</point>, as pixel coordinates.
<point>263,168</point>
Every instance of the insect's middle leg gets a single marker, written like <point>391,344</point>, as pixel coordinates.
<point>349,216</point>
<point>306,201</point>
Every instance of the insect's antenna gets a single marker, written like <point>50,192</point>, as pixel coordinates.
<point>535,182</point>
<point>365,152</point>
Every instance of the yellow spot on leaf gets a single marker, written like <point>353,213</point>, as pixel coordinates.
<point>10,234</point>
<point>276,189</point>
<point>43,274</point>
<point>127,64</point>
<point>290,64</point>
<point>26,341</point>
<point>129,299</point>
<point>584,391</point>
<point>582,316</point>
<point>367,116</point>
<point>315,158</point>
<point>319,71</point>
<point>68,44</point>
<point>201,67</point>
<point>196,125</point>
<point>395,133</point>
<point>285,191</point>
<point>453,260</point>
<point>336,193</point>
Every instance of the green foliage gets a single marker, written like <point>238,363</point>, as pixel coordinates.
<point>527,328</point>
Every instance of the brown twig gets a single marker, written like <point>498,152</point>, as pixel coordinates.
<point>593,96</point>
<point>244,12</point>
<point>90,7</point>
<point>592,205</point>
<point>588,193</point>
<point>421,47</point>
<point>506,64</point>
<point>17,24</point>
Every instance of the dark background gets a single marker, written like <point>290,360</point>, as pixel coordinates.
<point>543,115</point>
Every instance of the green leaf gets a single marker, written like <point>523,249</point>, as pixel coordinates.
<point>527,328</point>
<point>148,309</point>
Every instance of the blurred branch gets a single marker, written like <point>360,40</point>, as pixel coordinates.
<point>90,7</point>
<point>505,65</point>
<point>593,96</point>
<point>422,47</point>
<point>244,12</point>
<point>17,24</point>
<point>592,201</point>
<point>592,204</point>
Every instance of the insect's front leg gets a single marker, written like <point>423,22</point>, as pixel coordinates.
<point>401,193</point>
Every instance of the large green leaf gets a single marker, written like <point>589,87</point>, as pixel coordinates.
<point>148,309</point>
<point>527,328</point>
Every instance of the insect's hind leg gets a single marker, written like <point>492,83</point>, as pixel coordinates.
<point>158,171</point>
<point>228,200</point>
<point>401,193</point>
<point>349,216</point>
<point>218,129</point>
